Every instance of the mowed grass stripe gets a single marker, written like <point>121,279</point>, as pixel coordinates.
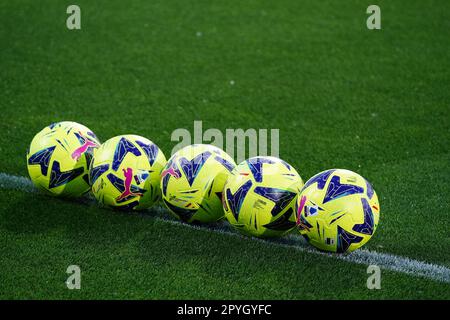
<point>362,256</point>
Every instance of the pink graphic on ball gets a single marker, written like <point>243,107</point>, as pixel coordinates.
<point>128,173</point>
<point>300,208</point>
<point>76,155</point>
<point>171,170</point>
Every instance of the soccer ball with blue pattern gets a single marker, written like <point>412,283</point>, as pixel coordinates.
<point>260,195</point>
<point>125,173</point>
<point>193,180</point>
<point>59,156</point>
<point>337,210</point>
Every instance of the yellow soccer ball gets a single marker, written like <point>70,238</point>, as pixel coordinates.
<point>126,171</point>
<point>260,196</point>
<point>337,211</point>
<point>193,180</point>
<point>59,156</point>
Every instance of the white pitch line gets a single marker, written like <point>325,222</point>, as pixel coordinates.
<point>8,181</point>
<point>362,256</point>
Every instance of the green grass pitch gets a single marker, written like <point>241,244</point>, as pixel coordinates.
<point>372,101</point>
